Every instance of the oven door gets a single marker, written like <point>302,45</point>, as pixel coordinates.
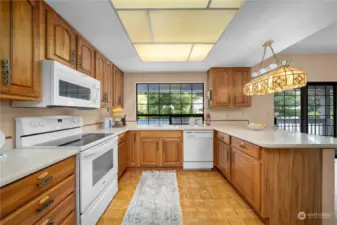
<point>98,166</point>
<point>74,89</point>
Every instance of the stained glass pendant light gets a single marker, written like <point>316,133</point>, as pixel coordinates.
<point>275,78</point>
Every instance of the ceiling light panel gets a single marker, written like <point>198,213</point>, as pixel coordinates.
<point>163,52</point>
<point>226,3</point>
<point>189,26</point>
<point>159,4</point>
<point>200,52</point>
<point>136,24</point>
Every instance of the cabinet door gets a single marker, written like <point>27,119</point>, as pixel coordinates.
<point>118,82</point>
<point>222,87</point>
<point>20,74</point>
<point>241,76</point>
<point>85,57</point>
<point>61,40</point>
<point>109,79</point>
<point>99,74</point>
<point>246,175</point>
<point>121,89</point>
<point>224,162</point>
<point>133,149</point>
<point>149,150</point>
<point>121,158</point>
<point>171,152</point>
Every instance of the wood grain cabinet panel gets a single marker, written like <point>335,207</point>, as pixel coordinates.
<point>171,152</point>
<point>133,149</point>
<point>109,84</point>
<point>246,177</point>
<point>60,212</point>
<point>20,77</point>
<point>149,150</point>
<point>247,148</point>
<point>40,206</point>
<point>14,196</point>
<point>122,158</point>
<point>118,88</point>
<point>85,57</point>
<point>224,159</point>
<point>226,85</point>
<point>61,40</point>
<point>100,75</point>
<point>241,76</point>
<point>70,220</point>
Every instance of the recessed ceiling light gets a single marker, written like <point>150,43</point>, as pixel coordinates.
<point>163,52</point>
<point>226,3</point>
<point>159,4</point>
<point>136,24</point>
<point>199,52</point>
<point>189,26</point>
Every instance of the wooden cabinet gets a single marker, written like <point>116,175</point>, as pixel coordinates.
<point>171,152</point>
<point>85,57</point>
<point>122,157</point>
<point>246,177</point>
<point>161,148</point>
<point>133,149</point>
<point>47,196</point>
<point>108,84</point>
<point>118,88</point>
<point>226,86</point>
<point>224,159</point>
<point>241,76</point>
<point>61,40</point>
<point>20,50</point>
<point>149,151</point>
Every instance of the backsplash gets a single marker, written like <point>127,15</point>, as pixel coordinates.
<point>8,115</point>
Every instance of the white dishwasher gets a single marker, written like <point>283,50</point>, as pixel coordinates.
<point>198,149</point>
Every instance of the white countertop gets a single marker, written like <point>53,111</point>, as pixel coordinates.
<point>268,138</point>
<point>20,163</point>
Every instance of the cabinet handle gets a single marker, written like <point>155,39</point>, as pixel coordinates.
<point>6,73</point>
<point>157,146</point>
<point>48,222</point>
<point>81,65</point>
<point>73,57</point>
<point>45,181</point>
<point>45,206</point>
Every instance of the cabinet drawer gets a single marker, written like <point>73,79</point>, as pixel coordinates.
<point>160,134</point>
<point>41,205</point>
<point>224,138</point>
<point>15,195</point>
<point>60,212</point>
<point>247,148</point>
<point>121,137</point>
<point>70,220</point>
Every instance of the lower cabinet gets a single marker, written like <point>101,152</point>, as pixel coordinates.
<point>122,157</point>
<point>224,159</point>
<point>246,177</point>
<point>133,149</point>
<point>149,151</point>
<point>172,153</point>
<point>160,149</point>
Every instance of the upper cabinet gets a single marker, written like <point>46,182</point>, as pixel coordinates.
<point>109,84</point>
<point>20,50</point>
<point>85,57</point>
<point>61,40</point>
<point>226,87</point>
<point>118,86</point>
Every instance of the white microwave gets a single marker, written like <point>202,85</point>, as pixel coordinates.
<point>63,86</point>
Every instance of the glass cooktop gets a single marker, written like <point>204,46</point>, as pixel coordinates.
<point>76,140</point>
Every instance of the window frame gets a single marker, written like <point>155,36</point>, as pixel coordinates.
<point>171,116</point>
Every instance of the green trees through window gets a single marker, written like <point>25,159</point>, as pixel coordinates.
<point>169,103</point>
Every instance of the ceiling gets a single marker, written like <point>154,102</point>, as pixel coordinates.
<point>322,42</point>
<point>286,22</point>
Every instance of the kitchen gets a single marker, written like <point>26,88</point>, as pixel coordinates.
<point>59,133</point>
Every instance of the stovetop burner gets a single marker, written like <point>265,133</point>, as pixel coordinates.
<point>76,140</point>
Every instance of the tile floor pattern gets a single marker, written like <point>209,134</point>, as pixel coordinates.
<point>206,198</point>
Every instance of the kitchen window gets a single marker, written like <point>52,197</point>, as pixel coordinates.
<point>311,109</point>
<point>173,103</point>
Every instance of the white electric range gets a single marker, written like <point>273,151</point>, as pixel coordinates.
<point>97,158</point>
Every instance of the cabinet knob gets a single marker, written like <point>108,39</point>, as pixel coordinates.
<point>242,145</point>
<point>73,57</point>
